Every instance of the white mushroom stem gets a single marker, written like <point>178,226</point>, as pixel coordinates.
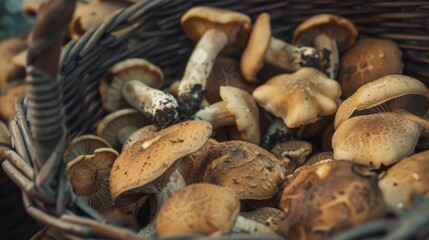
<point>424,123</point>
<point>125,132</point>
<point>247,226</point>
<point>322,42</point>
<point>217,114</point>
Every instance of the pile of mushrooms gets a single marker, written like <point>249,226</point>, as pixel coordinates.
<point>334,141</point>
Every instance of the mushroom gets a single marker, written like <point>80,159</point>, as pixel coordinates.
<point>143,133</point>
<point>407,181</point>
<point>292,154</point>
<point>116,127</point>
<point>323,199</point>
<point>316,158</point>
<point>270,217</point>
<point>329,33</point>
<point>237,109</point>
<point>89,177</point>
<point>205,209</point>
<point>215,30</point>
<point>130,69</point>
<point>84,145</point>
<point>150,166</point>
<point>375,140</point>
<point>277,132</point>
<point>299,98</point>
<point>8,97</point>
<point>368,60</point>
<point>264,47</point>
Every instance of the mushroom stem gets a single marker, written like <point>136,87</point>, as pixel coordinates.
<point>161,107</point>
<point>217,114</point>
<point>198,69</point>
<point>329,47</point>
<point>277,132</point>
<point>244,225</point>
<point>424,123</point>
<point>125,132</point>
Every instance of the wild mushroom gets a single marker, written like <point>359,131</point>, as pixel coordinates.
<point>143,133</point>
<point>215,30</point>
<point>368,60</point>
<point>130,69</point>
<point>277,132</point>
<point>116,127</point>
<point>407,181</point>
<point>270,217</point>
<point>292,154</point>
<point>89,177</point>
<point>84,145</point>
<point>299,98</point>
<point>326,32</point>
<point>150,167</point>
<point>237,109</point>
<point>325,198</point>
<point>319,157</point>
<point>8,97</point>
<point>205,209</point>
<point>262,46</point>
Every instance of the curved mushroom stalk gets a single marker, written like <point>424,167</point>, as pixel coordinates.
<point>161,107</point>
<point>424,123</point>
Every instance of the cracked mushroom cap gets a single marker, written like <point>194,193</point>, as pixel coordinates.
<point>375,140</point>
<point>368,60</point>
<point>249,170</point>
<point>292,154</point>
<point>145,167</point>
<point>404,184</point>
<point>325,198</point>
<point>124,71</point>
<point>89,177</point>
<point>299,98</point>
<point>200,208</point>
<point>235,25</point>
<point>7,100</point>
<point>336,27</point>
<point>385,94</point>
<point>84,145</point>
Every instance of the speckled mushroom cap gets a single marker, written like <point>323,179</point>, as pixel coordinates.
<point>299,98</point>
<point>89,177</point>
<point>368,60</point>
<point>200,208</point>
<point>249,170</point>
<point>325,198</point>
<point>406,182</point>
<point>292,153</point>
<point>270,217</point>
<point>385,94</point>
<point>145,167</point>
<point>7,100</point>
<point>376,139</point>
<point>339,28</point>
<point>84,145</point>
<point>129,69</point>
<point>235,25</point>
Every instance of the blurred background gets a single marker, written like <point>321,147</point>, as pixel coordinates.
<point>11,18</point>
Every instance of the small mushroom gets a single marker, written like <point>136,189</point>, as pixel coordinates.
<point>84,145</point>
<point>264,47</point>
<point>316,158</point>
<point>299,98</point>
<point>89,177</point>
<point>328,33</point>
<point>368,60</point>
<point>7,99</point>
<point>407,181</point>
<point>237,109</point>
<point>143,133</point>
<point>325,198</point>
<point>270,217</point>
<point>215,30</point>
<point>205,209</point>
<point>292,154</point>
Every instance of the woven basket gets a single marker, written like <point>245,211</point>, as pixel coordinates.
<point>35,164</point>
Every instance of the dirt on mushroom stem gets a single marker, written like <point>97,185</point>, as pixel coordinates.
<point>189,102</point>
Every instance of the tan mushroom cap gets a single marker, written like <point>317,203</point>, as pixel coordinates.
<point>84,145</point>
<point>142,134</point>
<point>368,60</point>
<point>7,100</point>
<point>245,111</point>
<point>89,177</point>
<point>323,199</point>
<point>235,25</point>
<point>299,98</point>
<point>375,140</point>
<point>130,69</point>
<point>339,28</point>
<point>200,208</point>
<point>406,182</point>
<point>385,94</point>
<point>257,46</point>
<point>249,170</point>
<point>270,217</point>
<point>292,154</point>
<point>146,165</point>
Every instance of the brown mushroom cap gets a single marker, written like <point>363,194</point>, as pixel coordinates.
<point>7,100</point>
<point>336,27</point>
<point>328,197</point>
<point>89,177</point>
<point>145,166</point>
<point>316,158</point>
<point>199,208</point>
<point>84,145</point>
<point>270,217</point>
<point>406,182</point>
<point>124,71</point>
<point>249,170</point>
<point>143,134</point>
<point>376,139</point>
<point>316,94</point>
<point>385,94</point>
<point>235,25</point>
<point>292,154</point>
